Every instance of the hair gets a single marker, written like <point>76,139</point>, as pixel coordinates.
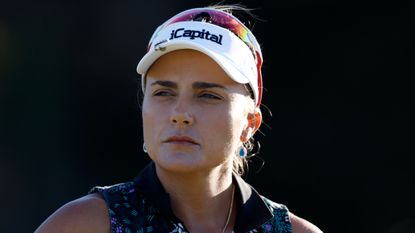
<point>240,164</point>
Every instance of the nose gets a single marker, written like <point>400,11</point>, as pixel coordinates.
<point>181,115</point>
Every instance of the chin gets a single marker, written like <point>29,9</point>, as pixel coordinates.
<point>179,162</point>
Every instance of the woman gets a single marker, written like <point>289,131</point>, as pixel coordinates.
<point>202,86</point>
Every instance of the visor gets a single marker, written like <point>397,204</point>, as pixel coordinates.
<point>232,50</point>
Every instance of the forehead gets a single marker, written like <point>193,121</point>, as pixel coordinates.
<point>188,65</point>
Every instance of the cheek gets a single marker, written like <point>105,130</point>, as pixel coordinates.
<point>227,128</point>
<point>147,121</point>
<point>150,117</point>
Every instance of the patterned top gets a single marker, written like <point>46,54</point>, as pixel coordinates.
<point>143,206</point>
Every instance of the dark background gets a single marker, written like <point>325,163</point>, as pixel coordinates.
<point>337,77</point>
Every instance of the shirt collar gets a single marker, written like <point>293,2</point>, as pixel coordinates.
<point>252,211</point>
<point>148,184</point>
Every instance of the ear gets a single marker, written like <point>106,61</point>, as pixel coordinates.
<point>254,122</point>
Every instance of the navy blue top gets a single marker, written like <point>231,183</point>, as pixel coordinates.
<point>142,206</point>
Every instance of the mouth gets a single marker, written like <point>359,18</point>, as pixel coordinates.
<point>182,140</point>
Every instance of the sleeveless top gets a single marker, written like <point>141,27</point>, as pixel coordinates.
<point>143,206</point>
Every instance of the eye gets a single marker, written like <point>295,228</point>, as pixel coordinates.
<point>162,93</point>
<point>208,95</point>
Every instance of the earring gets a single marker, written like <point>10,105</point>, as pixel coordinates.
<point>243,152</point>
<point>145,147</point>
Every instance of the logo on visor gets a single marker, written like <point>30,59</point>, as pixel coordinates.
<point>192,34</point>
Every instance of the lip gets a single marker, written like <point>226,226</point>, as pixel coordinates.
<point>181,140</point>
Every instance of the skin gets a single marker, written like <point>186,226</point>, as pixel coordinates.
<point>193,97</point>
<point>190,108</point>
<point>188,95</point>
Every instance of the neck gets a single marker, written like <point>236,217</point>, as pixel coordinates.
<point>200,200</point>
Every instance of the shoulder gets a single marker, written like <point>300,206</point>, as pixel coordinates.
<point>300,225</point>
<point>86,214</point>
<point>115,189</point>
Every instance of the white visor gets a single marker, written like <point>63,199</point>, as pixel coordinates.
<point>220,44</point>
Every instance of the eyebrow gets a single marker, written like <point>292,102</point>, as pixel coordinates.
<point>205,85</point>
<point>165,84</point>
<point>196,85</point>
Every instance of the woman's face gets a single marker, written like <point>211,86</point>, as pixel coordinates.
<point>194,116</point>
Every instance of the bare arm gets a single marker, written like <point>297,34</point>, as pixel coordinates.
<point>86,214</point>
<point>301,225</point>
